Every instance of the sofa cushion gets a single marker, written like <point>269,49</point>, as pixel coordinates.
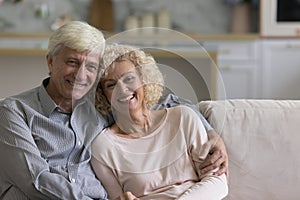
<point>263,143</point>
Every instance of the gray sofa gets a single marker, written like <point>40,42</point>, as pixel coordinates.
<point>263,143</point>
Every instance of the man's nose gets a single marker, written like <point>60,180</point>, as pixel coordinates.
<point>81,72</point>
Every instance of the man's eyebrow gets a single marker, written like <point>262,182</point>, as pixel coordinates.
<point>94,63</point>
<point>71,57</point>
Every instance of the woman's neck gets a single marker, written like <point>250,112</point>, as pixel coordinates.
<point>138,124</point>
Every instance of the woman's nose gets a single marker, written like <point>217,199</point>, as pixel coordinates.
<point>122,87</point>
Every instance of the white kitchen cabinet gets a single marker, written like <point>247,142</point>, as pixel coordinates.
<point>237,63</point>
<point>238,80</point>
<point>281,68</point>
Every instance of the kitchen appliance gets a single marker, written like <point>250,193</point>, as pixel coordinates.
<point>280,18</point>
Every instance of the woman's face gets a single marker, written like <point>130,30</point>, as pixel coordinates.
<point>123,88</point>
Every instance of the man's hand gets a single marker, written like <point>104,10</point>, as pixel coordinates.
<point>214,155</point>
<point>127,196</point>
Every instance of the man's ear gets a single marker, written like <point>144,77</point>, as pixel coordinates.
<point>49,62</point>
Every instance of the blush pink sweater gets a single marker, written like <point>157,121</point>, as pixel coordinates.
<point>161,165</point>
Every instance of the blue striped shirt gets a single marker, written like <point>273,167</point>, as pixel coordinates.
<point>44,151</point>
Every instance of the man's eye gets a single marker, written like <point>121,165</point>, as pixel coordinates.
<point>92,68</point>
<point>72,62</point>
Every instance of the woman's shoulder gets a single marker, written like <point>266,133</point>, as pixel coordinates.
<point>101,135</point>
<point>184,114</point>
<point>100,142</point>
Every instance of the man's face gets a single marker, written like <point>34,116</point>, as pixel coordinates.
<point>72,74</point>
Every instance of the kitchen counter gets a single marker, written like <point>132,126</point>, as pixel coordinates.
<point>37,43</point>
<point>23,44</point>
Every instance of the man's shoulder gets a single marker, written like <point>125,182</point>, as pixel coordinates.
<point>28,98</point>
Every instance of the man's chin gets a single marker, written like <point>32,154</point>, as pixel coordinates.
<point>78,95</point>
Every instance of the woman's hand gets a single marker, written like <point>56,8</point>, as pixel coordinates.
<point>127,196</point>
<point>215,155</point>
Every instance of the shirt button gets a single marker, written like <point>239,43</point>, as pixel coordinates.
<point>73,180</point>
<point>79,143</point>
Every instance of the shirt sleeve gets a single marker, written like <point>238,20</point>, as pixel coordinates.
<point>23,166</point>
<point>171,100</point>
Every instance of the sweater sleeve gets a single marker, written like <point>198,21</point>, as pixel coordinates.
<point>209,186</point>
<point>108,178</point>
<point>105,172</point>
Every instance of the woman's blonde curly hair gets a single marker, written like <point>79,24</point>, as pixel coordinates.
<point>152,79</point>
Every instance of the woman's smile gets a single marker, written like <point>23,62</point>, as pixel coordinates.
<point>127,98</point>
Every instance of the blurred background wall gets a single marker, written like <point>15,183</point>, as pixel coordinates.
<point>197,16</point>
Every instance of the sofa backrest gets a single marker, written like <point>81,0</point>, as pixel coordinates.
<point>263,143</point>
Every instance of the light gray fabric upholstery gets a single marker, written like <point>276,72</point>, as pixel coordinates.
<point>263,143</point>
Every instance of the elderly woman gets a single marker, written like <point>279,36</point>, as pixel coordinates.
<point>152,153</point>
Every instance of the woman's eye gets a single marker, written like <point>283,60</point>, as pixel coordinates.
<point>110,85</point>
<point>129,79</point>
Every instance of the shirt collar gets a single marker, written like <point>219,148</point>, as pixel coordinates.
<point>48,105</point>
